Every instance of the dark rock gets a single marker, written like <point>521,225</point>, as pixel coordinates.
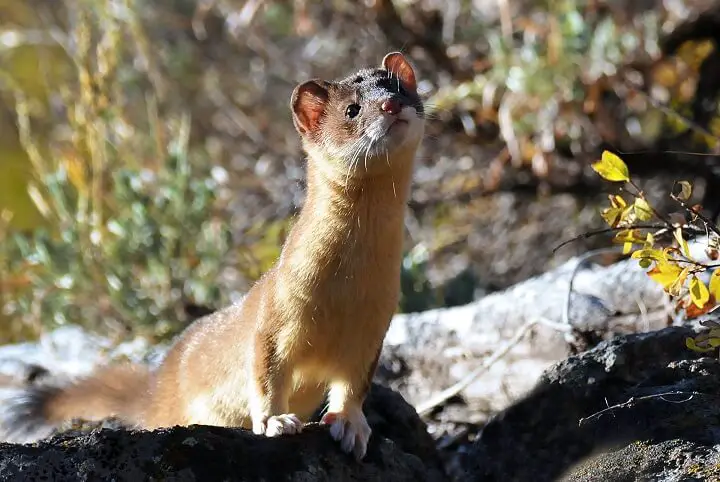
<point>207,453</point>
<point>611,414</point>
<point>676,460</point>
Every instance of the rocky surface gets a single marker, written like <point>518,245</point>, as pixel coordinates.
<point>427,352</point>
<point>442,346</point>
<point>400,450</point>
<point>634,408</point>
<point>638,407</point>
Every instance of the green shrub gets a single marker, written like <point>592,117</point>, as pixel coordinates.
<point>160,245</point>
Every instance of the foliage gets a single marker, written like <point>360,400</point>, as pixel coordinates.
<point>574,76</point>
<point>133,226</point>
<point>672,264</point>
<point>160,245</point>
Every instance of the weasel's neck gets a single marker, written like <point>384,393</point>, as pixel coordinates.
<point>348,227</point>
<point>342,199</point>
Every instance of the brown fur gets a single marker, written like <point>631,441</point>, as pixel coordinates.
<point>113,391</point>
<point>314,322</point>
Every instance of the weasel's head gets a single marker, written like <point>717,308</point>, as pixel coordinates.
<point>365,122</point>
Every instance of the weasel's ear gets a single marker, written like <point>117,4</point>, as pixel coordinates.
<point>308,105</point>
<point>397,65</point>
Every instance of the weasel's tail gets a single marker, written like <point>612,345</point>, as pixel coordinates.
<point>120,391</point>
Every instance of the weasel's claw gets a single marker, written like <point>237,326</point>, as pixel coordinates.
<point>276,425</point>
<point>352,431</point>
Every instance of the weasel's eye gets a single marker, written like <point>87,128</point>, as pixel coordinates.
<point>352,111</point>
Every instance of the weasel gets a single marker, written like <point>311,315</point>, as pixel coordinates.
<point>311,326</point>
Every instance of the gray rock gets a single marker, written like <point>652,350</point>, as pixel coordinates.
<point>565,430</point>
<point>400,450</point>
<point>440,347</point>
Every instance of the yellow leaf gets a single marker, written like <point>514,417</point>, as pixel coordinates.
<point>715,284</point>
<point>616,212</point>
<point>684,248</point>
<point>612,216</point>
<point>698,292</point>
<point>649,240</point>
<point>626,217</point>
<point>628,236</point>
<point>667,274</point>
<point>685,190</point>
<point>617,201</point>
<point>612,168</point>
<point>648,253</point>
<point>675,288</point>
<point>642,209</point>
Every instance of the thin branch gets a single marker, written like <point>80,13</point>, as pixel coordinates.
<point>641,194</point>
<point>590,234</point>
<point>632,400</point>
<point>643,311</point>
<point>708,223</point>
<point>448,393</point>
<point>581,260</point>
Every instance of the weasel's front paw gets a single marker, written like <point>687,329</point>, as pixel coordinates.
<point>350,429</point>
<point>272,426</point>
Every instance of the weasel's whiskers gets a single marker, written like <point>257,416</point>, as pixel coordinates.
<point>356,147</point>
<point>367,153</point>
<point>392,179</point>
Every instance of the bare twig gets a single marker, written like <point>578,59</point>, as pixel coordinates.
<point>643,311</point>
<point>570,335</point>
<point>708,223</point>
<point>662,228</point>
<point>641,194</point>
<point>443,396</point>
<point>632,400</point>
<point>581,260</point>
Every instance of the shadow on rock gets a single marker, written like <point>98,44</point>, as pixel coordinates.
<point>638,407</point>
<point>400,450</point>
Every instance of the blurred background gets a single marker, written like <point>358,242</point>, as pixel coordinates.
<point>149,170</point>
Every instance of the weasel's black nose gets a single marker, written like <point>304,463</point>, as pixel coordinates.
<point>391,106</point>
